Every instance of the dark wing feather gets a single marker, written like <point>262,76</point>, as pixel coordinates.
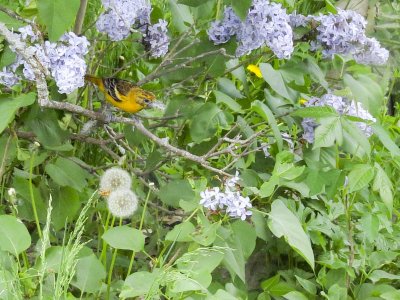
<point>122,86</point>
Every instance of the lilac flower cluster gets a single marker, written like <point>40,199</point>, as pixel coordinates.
<point>230,199</point>
<point>266,24</point>
<point>221,31</point>
<point>64,60</point>
<point>344,107</point>
<point>67,65</point>
<point>8,76</point>
<point>157,39</point>
<point>344,33</point>
<point>121,15</point>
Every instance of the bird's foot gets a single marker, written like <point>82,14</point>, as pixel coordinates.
<point>108,117</point>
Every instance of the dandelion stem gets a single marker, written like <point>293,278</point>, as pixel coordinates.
<point>110,271</point>
<point>104,245</point>
<point>140,228</point>
<point>32,195</point>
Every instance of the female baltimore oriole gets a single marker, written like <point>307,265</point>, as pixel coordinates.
<point>123,94</point>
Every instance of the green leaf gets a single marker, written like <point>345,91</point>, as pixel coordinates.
<point>181,232</point>
<point>181,16</point>
<point>326,133</point>
<point>386,140</point>
<point>9,106</point>
<point>268,116</point>
<point>308,285</point>
<point>238,242</point>
<point>125,237</point>
<point>360,176</point>
<point>206,235</point>
<point>90,274</point>
<point>192,3</point>
<point>295,295</point>
<point>141,284</point>
<point>65,206</point>
<point>206,122</point>
<point>315,112</point>
<point>337,292</point>
<point>275,80</point>
<point>45,125</point>
<point>266,285</point>
<point>383,184</point>
<point>228,87</point>
<point>241,7</point>
<point>175,191</point>
<point>14,237</point>
<point>355,141</point>
<point>370,226</point>
<point>57,15</point>
<point>282,222</point>
<point>67,173</point>
<point>228,101</point>
<point>365,90</point>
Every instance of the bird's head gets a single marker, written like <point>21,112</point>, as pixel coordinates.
<point>144,98</point>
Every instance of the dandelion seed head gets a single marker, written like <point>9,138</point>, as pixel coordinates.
<point>122,203</point>
<point>114,179</point>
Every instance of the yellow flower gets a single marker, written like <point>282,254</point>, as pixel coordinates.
<point>303,101</point>
<point>255,70</point>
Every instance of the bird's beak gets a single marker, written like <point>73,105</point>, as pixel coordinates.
<point>156,104</point>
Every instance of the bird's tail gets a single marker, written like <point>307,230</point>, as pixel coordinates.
<point>96,80</point>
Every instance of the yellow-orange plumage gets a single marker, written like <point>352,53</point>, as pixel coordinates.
<point>122,93</point>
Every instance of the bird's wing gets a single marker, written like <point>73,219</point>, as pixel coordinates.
<point>110,85</point>
<point>117,87</point>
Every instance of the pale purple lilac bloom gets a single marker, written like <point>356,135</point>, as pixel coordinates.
<point>266,24</point>
<point>344,107</point>
<point>63,59</point>
<point>221,31</point>
<point>344,33</point>
<point>121,15</point>
<point>230,199</point>
<point>157,38</point>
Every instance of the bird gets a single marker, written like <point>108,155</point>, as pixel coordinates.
<point>123,94</point>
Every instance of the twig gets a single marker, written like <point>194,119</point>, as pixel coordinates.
<point>15,16</point>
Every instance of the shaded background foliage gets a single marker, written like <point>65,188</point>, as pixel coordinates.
<point>325,217</point>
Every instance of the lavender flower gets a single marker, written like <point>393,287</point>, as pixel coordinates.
<point>26,33</point>
<point>121,15</point>
<point>371,53</point>
<point>340,33</point>
<point>63,59</point>
<point>66,61</point>
<point>356,109</point>
<point>297,20</point>
<point>344,107</point>
<point>221,31</point>
<point>230,199</point>
<point>8,78</point>
<point>309,126</point>
<point>344,33</point>
<point>157,39</point>
<point>266,24</point>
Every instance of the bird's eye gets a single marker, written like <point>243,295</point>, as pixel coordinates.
<point>147,101</point>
